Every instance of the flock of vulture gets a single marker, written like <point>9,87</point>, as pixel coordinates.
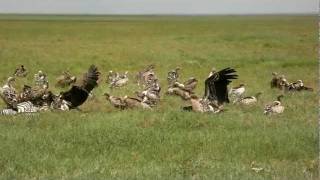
<point>216,94</point>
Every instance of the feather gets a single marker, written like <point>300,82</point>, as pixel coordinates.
<point>216,85</point>
<point>78,94</point>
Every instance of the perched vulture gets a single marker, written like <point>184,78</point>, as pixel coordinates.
<point>21,71</point>
<point>298,86</point>
<point>117,102</point>
<point>145,76</point>
<point>173,76</point>
<point>275,81</point>
<point>8,93</point>
<point>188,85</point>
<point>216,85</point>
<point>119,80</point>
<point>249,99</point>
<point>237,91</point>
<point>78,94</point>
<point>135,103</point>
<point>66,79</point>
<point>274,108</point>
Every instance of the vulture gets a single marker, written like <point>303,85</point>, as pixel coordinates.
<point>126,102</point>
<point>135,103</point>
<point>216,92</point>
<point>111,76</point>
<point>216,89</point>
<point>185,95</point>
<point>21,71</point>
<point>188,85</point>
<point>8,94</point>
<point>117,102</point>
<point>78,94</point>
<point>298,86</point>
<point>184,90</point>
<point>237,91</point>
<point>202,105</point>
<point>145,76</point>
<point>274,108</point>
<point>119,80</point>
<point>66,79</point>
<point>41,80</point>
<point>275,81</point>
<point>151,94</point>
<point>26,94</point>
<point>250,99</point>
<point>173,76</point>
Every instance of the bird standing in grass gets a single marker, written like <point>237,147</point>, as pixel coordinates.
<point>78,94</point>
<point>275,81</point>
<point>41,80</point>
<point>216,91</point>
<point>8,93</point>
<point>173,76</point>
<point>298,86</point>
<point>250,99</point>
<point>236,93</point>
<point>185,89</point>
<point>275,107</point>
<point>145,76</point>
<point>119,80</point>
<point>66,79</point>
<point>21,71</point>
<point>117,102</point>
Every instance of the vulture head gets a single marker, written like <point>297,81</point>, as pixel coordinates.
<point>213,71</point>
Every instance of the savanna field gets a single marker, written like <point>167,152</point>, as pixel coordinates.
<point>102,142</point>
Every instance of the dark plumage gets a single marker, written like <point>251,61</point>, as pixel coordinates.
<point>78,94</point>
<point>216,85</point>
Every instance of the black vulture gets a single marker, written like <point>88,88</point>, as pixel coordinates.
<point>78,94</point>
<point>216,85</point>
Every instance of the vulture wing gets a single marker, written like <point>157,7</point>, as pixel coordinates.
<point>77,95</point>
<point>216,85</point>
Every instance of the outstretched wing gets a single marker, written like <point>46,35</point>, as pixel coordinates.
<point>77,95</point>
<point>90,79</point>
<point>216,85</point>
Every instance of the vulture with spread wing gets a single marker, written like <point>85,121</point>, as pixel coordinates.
<point>78,94</point>
<point>216,92</point>
<point>216,85</point>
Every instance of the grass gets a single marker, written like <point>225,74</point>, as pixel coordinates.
<point>105,143</point>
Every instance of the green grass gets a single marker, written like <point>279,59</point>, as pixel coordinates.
<point>104,143</point>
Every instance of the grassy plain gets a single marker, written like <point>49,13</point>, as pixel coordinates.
<point>104,143</point>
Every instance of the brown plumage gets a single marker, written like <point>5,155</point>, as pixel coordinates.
<point>185,95</point>
<point>146,75</point>
<point>21,71</point>
<point>66,79</point>
<point>275,107</point>
<point>135,103</point>
<point>78,94</point>
<point>117,102</point>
